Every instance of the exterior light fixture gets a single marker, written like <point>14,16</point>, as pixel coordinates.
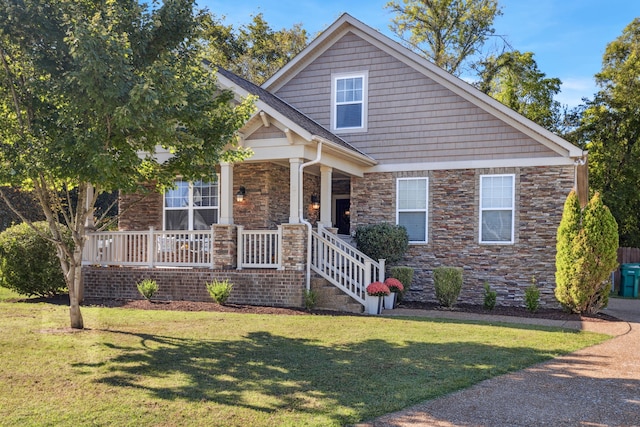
<point>315,202</point>
<point>240,194</point>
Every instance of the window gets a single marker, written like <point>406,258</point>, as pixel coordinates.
<point>411,203</point>
<point>191,206</point>
<point>349,98</point>
<point>496,208</point>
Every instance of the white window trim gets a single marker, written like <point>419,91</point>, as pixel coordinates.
<point>365,101</point>
<point>190,208</point>
<point>512,209</point>
<point>425,210</point>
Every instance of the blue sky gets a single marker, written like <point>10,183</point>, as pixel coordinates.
<point>568,37</point>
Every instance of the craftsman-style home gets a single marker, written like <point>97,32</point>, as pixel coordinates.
<point>355,130</point>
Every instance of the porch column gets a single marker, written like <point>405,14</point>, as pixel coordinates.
<point>294,192</point>
<point>325,195</point>
<point>226,193</point>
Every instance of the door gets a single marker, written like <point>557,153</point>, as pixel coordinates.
<point>343,215</point>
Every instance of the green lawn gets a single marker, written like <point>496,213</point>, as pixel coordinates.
<point>159,368</point>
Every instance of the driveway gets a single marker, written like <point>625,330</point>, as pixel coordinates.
<point>596,386</point>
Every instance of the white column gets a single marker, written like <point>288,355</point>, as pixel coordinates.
<point>294,191</point>
<point>325,195</point>
<point>225,182</point>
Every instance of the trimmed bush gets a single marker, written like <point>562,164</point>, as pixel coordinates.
<point>405,275</point>
<point>586,255</point>
<point>147,288</point>
<point>28,262</point>
<point>383,241</point>
<point>220,290</point>
<point>448,284</point>
<point>490,297</point>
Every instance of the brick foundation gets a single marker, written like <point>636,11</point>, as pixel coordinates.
<point>275,288</point>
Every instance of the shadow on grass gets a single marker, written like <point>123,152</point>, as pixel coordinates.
<point>269,373</point>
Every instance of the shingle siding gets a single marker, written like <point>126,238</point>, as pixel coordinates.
<point>406,109</point>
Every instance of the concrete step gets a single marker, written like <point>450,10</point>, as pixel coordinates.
<point>329,297</point>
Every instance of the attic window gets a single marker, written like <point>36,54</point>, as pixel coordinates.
<point>349,102</point>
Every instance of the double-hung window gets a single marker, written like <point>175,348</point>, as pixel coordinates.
<point>349,96</point>
<point>191,206</point>
<point>497,195</point>
<point>411,201</point>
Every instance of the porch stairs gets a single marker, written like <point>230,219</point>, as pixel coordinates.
<point>342,273</point>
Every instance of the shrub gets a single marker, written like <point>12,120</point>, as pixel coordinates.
<point>383,241</point>
<point>310,299</point>
<point>489,297</point>
<point>587,245</point>
<point>532,296</point>
<point>220,290</point>
<point>29,264</point>
<point>147,288</point>
<point>405,275</point>
<point>448,284</point>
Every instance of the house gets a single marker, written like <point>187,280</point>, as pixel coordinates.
<point>355,130</point>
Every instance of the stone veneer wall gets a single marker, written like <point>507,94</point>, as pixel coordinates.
<point>140,211</point>
<point>453,217</point>
<point>276,288</point>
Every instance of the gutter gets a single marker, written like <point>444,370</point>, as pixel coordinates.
<point>301,207</point>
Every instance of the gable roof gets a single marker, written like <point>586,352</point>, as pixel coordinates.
<point>271,101</point>
<point>348,24</point>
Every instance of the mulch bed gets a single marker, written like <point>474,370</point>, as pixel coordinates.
<point>553,314</point>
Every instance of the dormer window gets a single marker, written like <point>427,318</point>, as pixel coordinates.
<point>349,101</point>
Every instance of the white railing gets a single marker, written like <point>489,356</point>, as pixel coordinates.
<point>259,248</point>
<point>152,248</point>
<point>343,265</point>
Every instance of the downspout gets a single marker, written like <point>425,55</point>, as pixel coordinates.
<point>301,208</point>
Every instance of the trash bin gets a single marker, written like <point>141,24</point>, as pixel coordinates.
<point>629,279</point>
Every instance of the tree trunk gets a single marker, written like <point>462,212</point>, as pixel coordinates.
<point>75,288</point>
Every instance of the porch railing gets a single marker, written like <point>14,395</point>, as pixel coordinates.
<point>343,265</point>
<point>154,248</point>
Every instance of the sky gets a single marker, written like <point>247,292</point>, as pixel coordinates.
<point>567,37</point>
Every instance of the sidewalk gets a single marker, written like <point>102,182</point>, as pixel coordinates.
<point>595,386</point>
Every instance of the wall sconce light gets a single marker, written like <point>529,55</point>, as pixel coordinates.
<point>240,194</point>
<point>315,202</point>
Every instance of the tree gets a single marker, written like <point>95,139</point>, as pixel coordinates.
<point>610,130</point>
<point>448,32</point>
<point>87,86</point>
<point>587,250</point>
<point>513,78</point>
<point>256,51</point>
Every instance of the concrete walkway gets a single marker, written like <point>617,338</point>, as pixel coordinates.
<point>595,386</point>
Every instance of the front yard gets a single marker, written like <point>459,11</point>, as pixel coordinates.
<point>140,367</point>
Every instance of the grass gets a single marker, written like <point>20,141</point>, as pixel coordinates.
<point>143,368</point>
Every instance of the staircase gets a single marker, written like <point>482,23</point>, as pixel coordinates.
<point>343,273</point>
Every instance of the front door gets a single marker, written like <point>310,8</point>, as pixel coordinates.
<point>343,215</point>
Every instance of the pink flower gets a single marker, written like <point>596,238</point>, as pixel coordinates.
<point>394,285</point>
<point>378,289</point>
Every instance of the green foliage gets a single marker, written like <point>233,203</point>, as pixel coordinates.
<point>586,255</point>
<point>448,284</point>
<point>255,51</point>
<point>405,276</point>
<point>24,202</point>
<point>28,261</point>
<point>513,78</point>
<point>310,299</point>
<point>383,241</point>
<point>86,86</point>
<point>447,32</point>
<point>147,288</point>
<point>532,296</point>
<point>489,297</point>
<point>220,290</point>
<point>609,130</point>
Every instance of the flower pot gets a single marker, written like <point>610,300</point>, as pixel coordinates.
<point>390,301</point>
<point>373,304</point>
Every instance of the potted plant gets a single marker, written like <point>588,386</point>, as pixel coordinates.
<point>375,292</point>
<point>395,286</point>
